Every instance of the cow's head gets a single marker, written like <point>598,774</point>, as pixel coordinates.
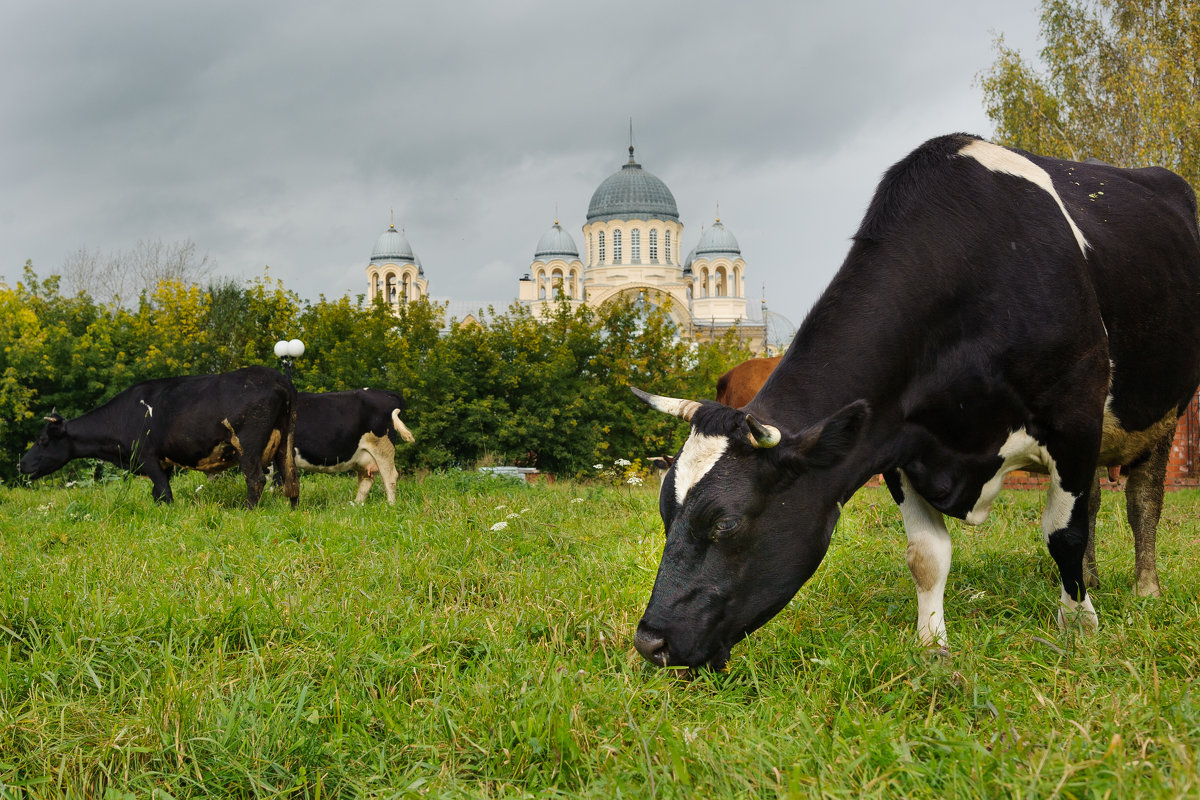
<point>748,510</point>
<point>50,451</point>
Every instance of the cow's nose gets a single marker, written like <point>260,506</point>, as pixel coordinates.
<point>652,646</point>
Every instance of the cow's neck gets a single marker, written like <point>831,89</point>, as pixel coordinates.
<point>851,347</point>
<point>94,434</point>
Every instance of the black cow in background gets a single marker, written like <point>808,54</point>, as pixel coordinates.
<point>997,311</point>
<point>343,431</point>
<point>245,418</point>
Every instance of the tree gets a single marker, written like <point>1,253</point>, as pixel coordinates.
<point>1121,83</point>
<point>56,353</point>
<point>122,277</point>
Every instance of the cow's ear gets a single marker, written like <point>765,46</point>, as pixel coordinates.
<point>55,424</point>
<point>829,441</point>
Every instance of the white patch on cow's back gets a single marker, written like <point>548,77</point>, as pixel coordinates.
<point>699,454</point>
<point>1019,451</point>
<point>999,159</point>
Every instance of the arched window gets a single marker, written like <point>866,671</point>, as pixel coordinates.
<point>556,282</point>
<point>667,246</point>
<point>654,245</point>
<point>722,288</point>
<point>617,246</point>
<point>600,239</point>
<point>404,288</point>
<point>391,288</point>
<point>635,246</point>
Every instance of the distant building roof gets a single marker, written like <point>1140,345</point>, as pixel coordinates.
<point>556,243</point>
<point>632,193</point>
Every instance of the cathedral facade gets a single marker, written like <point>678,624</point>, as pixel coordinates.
<point>632,249</point>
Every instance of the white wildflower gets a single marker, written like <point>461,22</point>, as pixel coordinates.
<point>634,480</point>
<point>620,462</point>
<point>578,500</point>
<point>597,466</point>
<point>501,508</point>
<point>499,526</point>
<point>513,515</point>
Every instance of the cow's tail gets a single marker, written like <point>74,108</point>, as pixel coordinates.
<point>400,427</point>
<point>291,473</point>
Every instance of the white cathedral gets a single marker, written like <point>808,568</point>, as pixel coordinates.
<point>633,241</point>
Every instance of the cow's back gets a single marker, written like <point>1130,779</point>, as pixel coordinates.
<point>195,410</point>
<point>330,425</point>
<point>1144,261</point>
<point>738,386</point>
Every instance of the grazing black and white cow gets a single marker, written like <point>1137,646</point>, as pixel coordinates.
<point>243,418</point>
<point>343,431</point>
<point>997,311</point>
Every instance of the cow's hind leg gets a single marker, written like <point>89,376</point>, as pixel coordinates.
<point>1143,504</point>
<point>385,458</point>
<point>287,474</point>
<point>928,557</point>
<point>366,479</point>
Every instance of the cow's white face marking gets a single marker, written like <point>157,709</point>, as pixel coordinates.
<point>1020,451</point>
<point>699,454</point>
<point>998,159</point>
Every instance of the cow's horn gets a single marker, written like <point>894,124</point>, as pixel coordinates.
<point>761,435</point>
<point>684,409</point>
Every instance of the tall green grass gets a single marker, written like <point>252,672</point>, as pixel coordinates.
<point>201,650</point>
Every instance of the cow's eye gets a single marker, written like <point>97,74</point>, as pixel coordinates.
<point>725,527</point>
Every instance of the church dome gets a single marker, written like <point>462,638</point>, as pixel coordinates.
<point>717,241</point>
<point>556,243</point>
<point>632,193</point>
<point>392,246</point>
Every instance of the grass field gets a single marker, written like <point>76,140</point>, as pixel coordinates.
<point>201,650</point>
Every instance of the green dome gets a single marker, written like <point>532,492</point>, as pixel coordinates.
<point>632,193</point>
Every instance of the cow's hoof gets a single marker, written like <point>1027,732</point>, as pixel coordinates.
<point>937,653</point>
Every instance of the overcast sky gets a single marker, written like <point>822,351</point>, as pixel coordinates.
<point>284,133</point>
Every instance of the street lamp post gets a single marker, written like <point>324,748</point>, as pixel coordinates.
<point>288,351</point>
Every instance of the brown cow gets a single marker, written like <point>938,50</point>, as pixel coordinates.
<point>737,387</point>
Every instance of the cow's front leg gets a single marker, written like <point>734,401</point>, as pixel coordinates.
<point>160,481</point>
<point>1065,527</point>
<point>928,557</point>
<point>1091,575</point>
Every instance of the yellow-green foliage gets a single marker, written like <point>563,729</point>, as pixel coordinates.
<point>1120,81</point>
<point>546,393</point>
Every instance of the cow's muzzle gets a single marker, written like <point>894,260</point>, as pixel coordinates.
<point>652,646</point>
